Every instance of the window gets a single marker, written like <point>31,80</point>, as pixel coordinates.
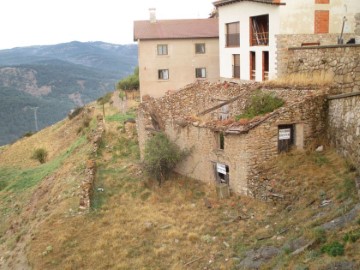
<point>200,48</point>
<point>252,66</point>
<point>259,30</point>
<point>321,22</point>
<point>162,49</point>
<point>221,141</point>
<point>285,138</point>
<point>232,34</point>
<point>200,72</point>
<point>221,173</point>
<point>236,66</point>
<point>163,74</point>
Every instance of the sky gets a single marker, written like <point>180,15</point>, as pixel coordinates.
<point>45,22</point>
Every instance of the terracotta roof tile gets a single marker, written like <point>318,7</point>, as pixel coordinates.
<point>227,2</point>
<point>176,29</point>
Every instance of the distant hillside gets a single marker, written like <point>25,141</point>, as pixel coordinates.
<point>56,79</point>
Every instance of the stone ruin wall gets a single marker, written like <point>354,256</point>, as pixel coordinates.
<point>243,153</point>
<point>309,118</point>
<point>344,126</point>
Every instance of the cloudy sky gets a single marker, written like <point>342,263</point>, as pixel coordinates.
<point>42,22</point>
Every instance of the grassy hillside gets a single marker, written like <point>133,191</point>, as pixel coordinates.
<point>134,224</point>
<point>56,78</point>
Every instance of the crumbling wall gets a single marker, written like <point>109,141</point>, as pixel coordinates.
<point>87,184</point>
<point>344,125</point>
<point>263,141</point>
<point>243,152</point>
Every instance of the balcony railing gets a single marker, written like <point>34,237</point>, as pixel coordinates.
<point>260,38</point>
<point>232,40</point>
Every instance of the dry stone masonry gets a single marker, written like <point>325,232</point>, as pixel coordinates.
<point>194,118</point>
<point>344,125</point>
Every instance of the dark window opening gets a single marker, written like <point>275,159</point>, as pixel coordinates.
<point>265,75</point>
<point>252,66</point>
<point>259,30</point>
<point>200,48</point>
<point>200,72</point>
<point>221,173</point>
<point>163,74</point>
<point>221,141</point>
<point>236,66</point>
<point>232,36</point>
<point>286,138</point>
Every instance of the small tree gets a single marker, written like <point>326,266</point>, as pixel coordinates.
<point>131,82</point>
<point>40,154</point>
<point>161,157</point>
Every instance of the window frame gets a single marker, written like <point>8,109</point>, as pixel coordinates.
<point>200,45</point>
<point>232,38</point>
<point>160,49</point>
<point>162,72</point>
<point>201,69</point>
<point>236,68</point>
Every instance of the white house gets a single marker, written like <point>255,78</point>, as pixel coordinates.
<point>253,33</point>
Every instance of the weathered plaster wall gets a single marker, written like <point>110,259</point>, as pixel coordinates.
<point>344,126</point>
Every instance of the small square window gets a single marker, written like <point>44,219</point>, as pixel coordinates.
<point>162,49</point>
<point>200,72</point>
<point>200,48</point>
<point>163,74</point>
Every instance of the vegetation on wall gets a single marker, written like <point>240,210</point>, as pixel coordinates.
<point>260,103</point>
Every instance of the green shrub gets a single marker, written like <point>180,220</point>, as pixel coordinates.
<point>333,249</point>
<point>260,103</point>
<point>352,236</point>
<point>161,157</point>
<point>40,154</point>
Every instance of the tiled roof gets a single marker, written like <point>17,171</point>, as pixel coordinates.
<point>176,29</point>
<point>227,2</point>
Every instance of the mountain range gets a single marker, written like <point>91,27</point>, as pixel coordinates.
<point>40,84</point>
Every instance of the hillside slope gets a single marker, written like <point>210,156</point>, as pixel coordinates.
<point>134,224</point>
<point>55,79</point>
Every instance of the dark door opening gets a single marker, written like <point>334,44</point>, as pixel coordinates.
<point>285,138</point>
<point>252,66</point>
<point>265,75</point>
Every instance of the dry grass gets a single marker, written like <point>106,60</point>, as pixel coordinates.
<point>314,79</point>
<point>135,224</point>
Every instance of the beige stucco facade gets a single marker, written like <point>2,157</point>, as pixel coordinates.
<point>181,62</point>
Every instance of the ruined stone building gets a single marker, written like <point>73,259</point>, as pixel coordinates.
<point>201,117</point>
<point>174,53</point>
<point>254,35</point>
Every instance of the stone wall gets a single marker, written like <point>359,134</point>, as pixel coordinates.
<point>284,42</point>
<point>344,125</point>
<point>244,152</point>
<point>341,62</point>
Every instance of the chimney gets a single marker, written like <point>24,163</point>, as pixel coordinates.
<point>152,12</point>
<point>276,1</point>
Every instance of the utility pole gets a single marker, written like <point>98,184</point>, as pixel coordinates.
<point>35,117</point>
